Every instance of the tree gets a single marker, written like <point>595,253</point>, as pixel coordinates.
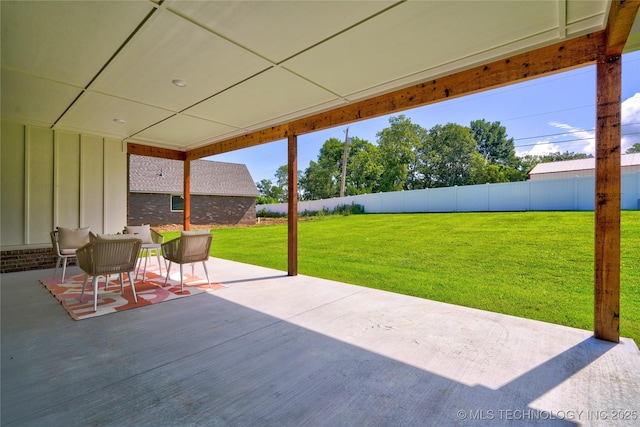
<point>317,182</point>
<point>321,180</point>
<point>282,182</point>
<point>558,156</point>
<point>363,168</point>
<point>398,145</point>
<point>449,157</point>
<point>268,192</point>
<point>492,142</point>
<point>635,148</point>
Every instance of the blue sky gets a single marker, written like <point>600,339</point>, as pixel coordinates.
<point>554,113</point>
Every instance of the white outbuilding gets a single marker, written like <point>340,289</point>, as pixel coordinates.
<point>581,167</point>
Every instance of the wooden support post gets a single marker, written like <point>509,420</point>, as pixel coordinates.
<point>186,193</point>
<point>607,203</point>
<point>293,205</point>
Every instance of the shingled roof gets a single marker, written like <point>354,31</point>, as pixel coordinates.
<point>156,175</point>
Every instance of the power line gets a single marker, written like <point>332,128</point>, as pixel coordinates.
<point>568,132</point>
<point>566,140</point>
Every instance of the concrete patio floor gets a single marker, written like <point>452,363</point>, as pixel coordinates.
<point>272,350</point>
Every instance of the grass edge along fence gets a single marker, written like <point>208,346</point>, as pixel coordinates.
<point>537,265</point>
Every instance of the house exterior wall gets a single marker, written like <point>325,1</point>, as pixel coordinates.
<point>155,209</point>
<point>53,178</point>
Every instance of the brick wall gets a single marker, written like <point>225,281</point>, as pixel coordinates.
<point>28,259</point>
<point>155,209</point>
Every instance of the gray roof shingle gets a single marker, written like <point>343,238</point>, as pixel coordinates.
<point>207,177</point>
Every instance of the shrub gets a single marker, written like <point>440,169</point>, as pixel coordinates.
<point>264,213</point>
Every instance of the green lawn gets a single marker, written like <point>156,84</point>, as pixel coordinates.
<point>537,265</point>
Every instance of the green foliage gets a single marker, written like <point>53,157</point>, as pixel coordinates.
<point>492,143</point>
<point>409,157</point>
<point>449,156</point>
<point>263,213</point>
<point>537,265</point>
<point>270,193</point>
<point>343,210</point>
<point>398,145</point>
<point>635,148</point>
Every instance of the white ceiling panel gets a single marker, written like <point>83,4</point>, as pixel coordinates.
<point>181,130</point>
<point>96,113</point>
<point>585,10</point>
<point>168,48</point>
<point>272,94</point>
<point>425,35</point>
<point>278,29</point>
<point>67,41</point>
<point>250,65</point>
<point>32,99</point>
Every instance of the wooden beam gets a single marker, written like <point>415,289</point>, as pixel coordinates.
<point>292,220</point>
<point>186,192</point>
<point>146,150</point>
<point>607,202</point>
<point>622,15</point>
<point>550,59</point>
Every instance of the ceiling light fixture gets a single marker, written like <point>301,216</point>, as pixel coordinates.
<point>120,120</point>
<point>179,82</point>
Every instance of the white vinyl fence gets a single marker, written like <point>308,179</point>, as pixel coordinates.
<point>571,194</point>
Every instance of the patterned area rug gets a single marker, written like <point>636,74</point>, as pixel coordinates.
<point>150,291</point>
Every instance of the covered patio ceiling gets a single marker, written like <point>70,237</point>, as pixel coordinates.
<point>189,79</point>
<point>106,67</point>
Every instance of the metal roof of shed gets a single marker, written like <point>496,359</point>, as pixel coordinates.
<point>580,164</point>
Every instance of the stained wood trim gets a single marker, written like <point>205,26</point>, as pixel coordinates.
<point>146,150</point>
<point>187,195</point>
<point>622,15</point>
<point>555,58</point>
<point>292,222</point>
<point>607,200</point>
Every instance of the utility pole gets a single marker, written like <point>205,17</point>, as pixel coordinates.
<point>344,162</point>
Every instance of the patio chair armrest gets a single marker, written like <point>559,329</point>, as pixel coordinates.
<point>84,255</point>
<point>156,237</point>
<point>171,249</point>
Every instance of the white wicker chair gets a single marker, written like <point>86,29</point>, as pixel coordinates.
<point>65,242</point>
<point>151,242</point>
<point>189,248</point>
<point>104,256</point>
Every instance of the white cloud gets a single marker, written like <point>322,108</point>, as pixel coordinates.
<point>630,118</point>
<point>580,140</point>
<point>540,148</point>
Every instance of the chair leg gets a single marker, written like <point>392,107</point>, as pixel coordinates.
<point>122,284</point>
<point>133,287</point>
<point>95,293</point>
<point>181,279</point>
<point>159,264</point>
<point>55,273</point>
<point>64,269</point>
<point>167,278</point>
<point>84,285</point>
<point>139,262</point>
<point>204,264</point>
